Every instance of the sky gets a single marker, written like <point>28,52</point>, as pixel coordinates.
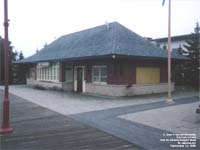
<point>36,22</point>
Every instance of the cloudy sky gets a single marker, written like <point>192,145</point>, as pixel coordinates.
<point>36,22</point>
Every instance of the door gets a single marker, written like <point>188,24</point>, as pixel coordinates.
<point>147,75</point>
<point>80,79</point>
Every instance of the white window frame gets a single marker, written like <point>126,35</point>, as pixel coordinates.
<point>99,82</point>
<point>48,73</point>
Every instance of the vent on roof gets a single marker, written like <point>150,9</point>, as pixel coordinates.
<point>107,24</point>
<point>148,38</point>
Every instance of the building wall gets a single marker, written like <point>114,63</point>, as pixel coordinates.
<point>123,90</point>
<point>33,80</point>
<point>123,72</point>
<point>174,44</point>
<point>121,78</point>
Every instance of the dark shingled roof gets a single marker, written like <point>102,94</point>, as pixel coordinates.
<point>103,40</point>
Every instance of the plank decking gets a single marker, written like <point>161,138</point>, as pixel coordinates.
<point>36,127</point>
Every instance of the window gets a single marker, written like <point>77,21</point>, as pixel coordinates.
<point>147,75</point>
<point>48,71</point>
<point>99,74</point>
<point>68,74</point>
<point>31,73</point>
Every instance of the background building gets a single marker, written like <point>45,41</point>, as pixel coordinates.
<point>176,41</point>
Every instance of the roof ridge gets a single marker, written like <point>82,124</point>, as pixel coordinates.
<point>98,26</point>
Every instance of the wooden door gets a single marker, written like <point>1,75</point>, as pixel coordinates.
<point>79,79</point>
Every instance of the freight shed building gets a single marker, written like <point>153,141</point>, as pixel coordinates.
<point>107,60</point>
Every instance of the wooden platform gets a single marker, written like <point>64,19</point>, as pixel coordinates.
<point>36,127</point>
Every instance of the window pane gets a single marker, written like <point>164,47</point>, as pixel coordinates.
<point>96,71</point>
<point>54,73</point>
<point>99,74</point>
<point>103,79</point>
<point>42,73</point>
<point>103,71</point>
<point>96,79</point>
<point>48,73</point>
<point>45,73</point>
<point>68,75</point>
<point>51,74</point>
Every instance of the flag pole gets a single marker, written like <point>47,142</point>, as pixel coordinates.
<point>5,122</point>
<point>169,99</point>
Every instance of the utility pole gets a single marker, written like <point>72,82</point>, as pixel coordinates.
<point>5,122</point>
<point>0,59</point>
<point>169,99</point>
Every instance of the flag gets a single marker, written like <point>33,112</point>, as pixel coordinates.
<point>163,2</point>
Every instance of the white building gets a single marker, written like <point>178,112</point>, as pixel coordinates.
<point>176,41</point>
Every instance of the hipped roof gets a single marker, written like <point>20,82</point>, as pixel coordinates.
<point>104,40</point>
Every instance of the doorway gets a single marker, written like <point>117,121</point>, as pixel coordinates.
<point>79,79</point>
<point>79,82</point>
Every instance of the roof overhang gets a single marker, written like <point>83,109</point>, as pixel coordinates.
<point>111,56</point>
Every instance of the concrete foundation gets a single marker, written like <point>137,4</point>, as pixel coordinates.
<point>68,86</point>
<point>105,89</point>
<point>124,90</point>
<point>51,85</point>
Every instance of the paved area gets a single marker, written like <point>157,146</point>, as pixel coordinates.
<point>36,127</point>
<point>124,117</point>
<point>166,119</point>
<point>147,136</point>
<point>69,103</point>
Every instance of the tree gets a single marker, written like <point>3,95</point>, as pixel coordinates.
<point>12,57</point>
<point>178,72</point>
<point>13,69</point>
<point>191,68</point>
<point>19,75</point>
<point>21,55</point>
